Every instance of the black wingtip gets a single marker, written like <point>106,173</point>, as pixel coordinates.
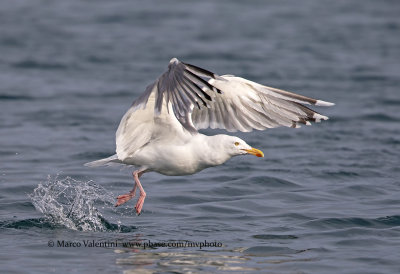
<point>201,70</point>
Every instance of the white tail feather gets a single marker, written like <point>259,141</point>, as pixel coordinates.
<point>104,162</point>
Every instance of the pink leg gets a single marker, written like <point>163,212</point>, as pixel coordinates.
<point>121,199</point>
<point>142,196</point>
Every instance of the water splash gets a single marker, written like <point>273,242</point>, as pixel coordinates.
<point>74,204</point>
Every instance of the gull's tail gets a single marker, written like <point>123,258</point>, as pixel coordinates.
<point>105,162</point>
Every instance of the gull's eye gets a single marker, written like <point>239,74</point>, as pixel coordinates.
<point>236,143</point>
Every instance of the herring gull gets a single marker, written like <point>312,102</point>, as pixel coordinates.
<point>160,130</point>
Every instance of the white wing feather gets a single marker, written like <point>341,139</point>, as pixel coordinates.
<point>245,105</point>
<point>139,126</point>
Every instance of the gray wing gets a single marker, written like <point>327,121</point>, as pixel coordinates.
<point>245,105</point>
<point>201,99</point>
<point>184,87</point>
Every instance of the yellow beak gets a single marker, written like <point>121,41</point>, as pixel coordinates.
<point>254,152</point>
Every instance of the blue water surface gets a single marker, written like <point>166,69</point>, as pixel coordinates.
<point>325,199</point>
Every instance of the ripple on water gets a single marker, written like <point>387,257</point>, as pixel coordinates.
<point>380,117</point>
<point>270,250</point>
<point>267,181</point>
<point>13,97</point>
<point>186,262</point>
<point>388,221</point>
<point>33,64</point>
<point>29,223</point>
<point>274,237</point>
<point>360,190</point>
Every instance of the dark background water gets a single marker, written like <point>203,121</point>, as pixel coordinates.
<point>325,198</point>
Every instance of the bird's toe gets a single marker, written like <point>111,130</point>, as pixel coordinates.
<point>122,199</point>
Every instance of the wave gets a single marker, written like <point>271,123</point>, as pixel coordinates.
<point>12,97</point>
<point>380,117</point>
<point>49,223</point>
<point>380,222</point>
<point>32,64</point>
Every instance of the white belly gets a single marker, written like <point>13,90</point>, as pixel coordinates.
<point>176,157</point>
<point>171,160</point>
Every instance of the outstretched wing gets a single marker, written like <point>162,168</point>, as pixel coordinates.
<point>184,87</point>
<point>245,105</point>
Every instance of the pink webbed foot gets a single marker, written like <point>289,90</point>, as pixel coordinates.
<point>122,199</point>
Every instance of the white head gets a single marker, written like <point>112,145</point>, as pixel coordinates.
<point>236,146</point>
